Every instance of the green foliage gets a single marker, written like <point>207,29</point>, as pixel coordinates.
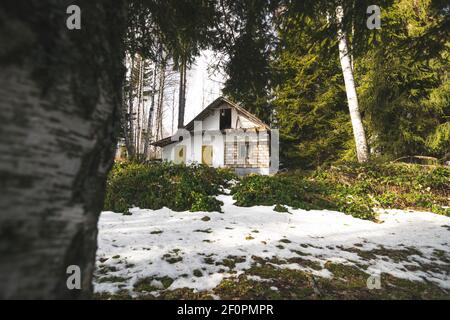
<point>352,188</point>
<point>155,185</point>
<point>280,208</point>
<point>245,37</point>
<point>405,93</point>
<point>203,202</point>
<point>311,105</point>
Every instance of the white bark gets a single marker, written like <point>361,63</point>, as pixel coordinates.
<point>352,98</point>
<point>56,147</point>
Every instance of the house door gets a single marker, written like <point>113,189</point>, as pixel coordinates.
<point>207,155</point>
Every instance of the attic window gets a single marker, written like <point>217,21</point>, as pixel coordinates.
<point>225,119</point>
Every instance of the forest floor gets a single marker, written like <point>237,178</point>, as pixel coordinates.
<point>258,253</point>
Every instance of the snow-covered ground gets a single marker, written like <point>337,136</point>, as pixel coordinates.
<point>159,243</point>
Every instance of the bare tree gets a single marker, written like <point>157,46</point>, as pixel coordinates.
<point>129,127</point>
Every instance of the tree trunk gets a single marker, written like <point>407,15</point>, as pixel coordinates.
<point>60,96</point>
<point>139,106</point>
<point>130,127</point>
<point>182,94</point>
<point>159,114</point>
<point>352,98</point>
<point>148,136</point>
<point>173,112</point>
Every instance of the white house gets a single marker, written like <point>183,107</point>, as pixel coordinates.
<point>224,135</point>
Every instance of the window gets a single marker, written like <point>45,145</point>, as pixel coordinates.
<point>225,119</point>
<point>243,151</point>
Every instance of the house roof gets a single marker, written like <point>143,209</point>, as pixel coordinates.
<point>206,112</point>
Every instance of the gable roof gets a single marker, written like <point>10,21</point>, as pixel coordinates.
<point>207,111</point>
<point>216,103</point>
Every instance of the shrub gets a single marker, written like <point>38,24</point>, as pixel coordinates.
<point>155,185</point>
<point>352,188</point>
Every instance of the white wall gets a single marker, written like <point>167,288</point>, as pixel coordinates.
<point>168,152</point>
<point>217,142</point>
<point>194,149</point>
<point>212,122</point>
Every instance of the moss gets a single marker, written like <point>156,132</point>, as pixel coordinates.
<point>280,208</point>
<point>245,289</point>
<point>197,273</point>
<point>121,295</point>
<point>182,294</point>
<point>145,285</point>
<point>231,261</point>
<point>173,260</point>
<point>166,281</point>
<point>348,282</point>
<point>396,255</point>
<point>204,230</point>
<point>208,260</point>
<point>103,269</point>
<point>112,279</point>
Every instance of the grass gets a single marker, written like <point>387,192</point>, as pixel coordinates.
<point>266,279</point>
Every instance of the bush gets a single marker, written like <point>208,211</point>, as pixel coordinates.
<point>352,188</point>
<point>157,185</point>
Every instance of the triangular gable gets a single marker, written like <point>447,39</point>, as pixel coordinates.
<point>217,103</point>
<point>208,111</point>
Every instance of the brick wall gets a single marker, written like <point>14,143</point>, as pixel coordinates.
<point>258,153</point>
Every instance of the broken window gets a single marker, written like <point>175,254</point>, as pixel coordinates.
<point>225,119</point>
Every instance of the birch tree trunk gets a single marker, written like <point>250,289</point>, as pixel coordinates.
<point>60,96</point>
<point>131,147</point>
<point>140,87</point>
<point>352,98</point>
<point>162,87</point>
<point>149,133</point>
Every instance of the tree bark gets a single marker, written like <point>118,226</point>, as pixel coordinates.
<point>352,98</point>
<point>139,106</point>
<point>159,113</point>
<point>149,132</point>
<point>130,127</point>
<point>60,96</point>
<point>182,93</point>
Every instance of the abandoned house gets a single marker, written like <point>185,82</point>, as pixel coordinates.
<point>224,135</point>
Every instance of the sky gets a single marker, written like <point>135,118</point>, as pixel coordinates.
<point>202,89</point>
